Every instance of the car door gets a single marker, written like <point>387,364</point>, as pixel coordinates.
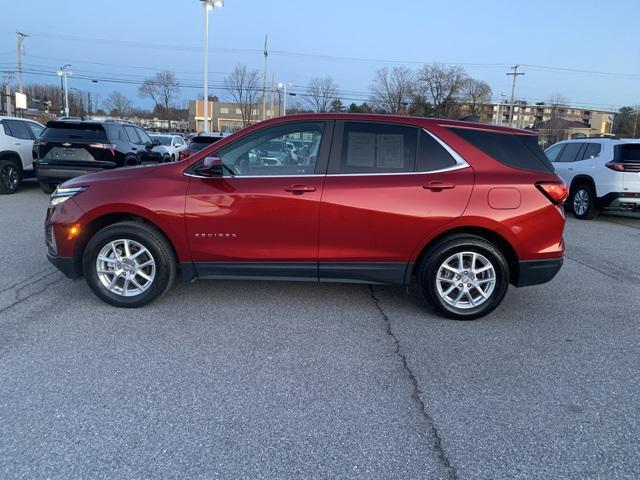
<point>565,164</point>
<point>260,219</point>
<point>21,140</point>
<point>387,189</point>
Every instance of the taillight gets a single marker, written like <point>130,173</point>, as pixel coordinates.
<point>623,166</point>
<point>557,192</point>
<point>104,146</point>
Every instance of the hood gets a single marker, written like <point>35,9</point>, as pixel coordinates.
<point>117,174</point>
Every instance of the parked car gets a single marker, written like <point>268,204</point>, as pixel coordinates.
<point>68,149</point>
<point>17,136</point>
<point>200,141</point>
<point>602,173</point>
<point>169,146</point>
<point>460,209</point>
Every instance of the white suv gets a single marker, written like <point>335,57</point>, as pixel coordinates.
<point>16,151</point>
<point>602,173</point>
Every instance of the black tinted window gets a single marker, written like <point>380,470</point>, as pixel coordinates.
<point>71,131</point>
<point>630,152</point>
<point>132,134</point>
<point>377,148</point>
<point>570,152</point>
<point>18,129</point>
<point>593,150</point>
<point>198,143</point>
<point>432,155</point>
<point>518,151</point>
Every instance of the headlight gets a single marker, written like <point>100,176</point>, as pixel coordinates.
<point>61,195</point>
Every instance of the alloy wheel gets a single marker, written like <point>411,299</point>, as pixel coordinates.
<point>581,202</point>
<point>9,177</point>
<point>125,267</point>
<point>465,280</point>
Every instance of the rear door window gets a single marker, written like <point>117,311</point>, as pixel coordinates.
<point>377,148</point>
<point>592,150</point>
<point>35,129</point>
<point>570,152</point>
<point>513,150</point>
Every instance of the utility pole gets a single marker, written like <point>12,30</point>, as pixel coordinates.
<point>273,91</point>
<point>19,51</point>
<point>515,74</point>
<point>635,125</point>
<point>264,79</point>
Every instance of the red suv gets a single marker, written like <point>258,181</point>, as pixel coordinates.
<point>462,209</point>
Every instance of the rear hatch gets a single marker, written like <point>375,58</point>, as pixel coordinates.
<point>627,160</point>
<point>198,143</point>
<point>76,144</point>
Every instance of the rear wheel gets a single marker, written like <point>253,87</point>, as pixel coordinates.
<point>10,176</point>
<point>464,277</point>
<point>583,202</point>
<point>47,187</point>
<point>129,264</point>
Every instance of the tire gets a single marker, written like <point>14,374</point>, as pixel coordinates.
<point>47,187</point>
<point>173,158</point>
<point>583,202</point>
<point>162,271</point>
<point>166,159</point>
<point>131,162</point>
<point>10,176</point>
<point>435,281</point>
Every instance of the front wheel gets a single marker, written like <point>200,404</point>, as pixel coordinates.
<point>464,277</point>
<point>129,264</point>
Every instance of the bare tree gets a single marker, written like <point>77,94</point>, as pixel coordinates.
<point>163,89</point>
<point>442,86</point>
<point>392,89</point>
<point>321,92</point>
<point>244,88</point>
<point>117,104</point>
<point>476,93</point>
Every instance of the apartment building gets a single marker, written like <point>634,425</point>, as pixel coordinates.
<point>222,116</point>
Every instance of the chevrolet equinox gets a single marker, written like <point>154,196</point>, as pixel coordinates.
<point>461,210</point>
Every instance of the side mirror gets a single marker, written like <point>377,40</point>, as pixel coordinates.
<point>211,167</point>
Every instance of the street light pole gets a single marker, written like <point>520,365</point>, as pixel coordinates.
<point>64,72</point>
<point>283,86</point>
<point>208,5</point>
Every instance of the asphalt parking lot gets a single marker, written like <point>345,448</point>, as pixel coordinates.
<point>284,380</point>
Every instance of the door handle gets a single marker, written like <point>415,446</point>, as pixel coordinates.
<point>569,168</point>
<point>437,186</point>
<point>17,143</point>
<point>300,189</point>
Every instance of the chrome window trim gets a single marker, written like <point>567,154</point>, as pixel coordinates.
<point>460,164</point>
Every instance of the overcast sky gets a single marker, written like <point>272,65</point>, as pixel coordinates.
<point>125,41</point>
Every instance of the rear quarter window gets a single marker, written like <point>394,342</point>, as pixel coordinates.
<point>513,150</point>
<point>629,153</point>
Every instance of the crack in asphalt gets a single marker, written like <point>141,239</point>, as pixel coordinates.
<point>592,267</point>
<point>18,301</point>
<point>23,283</point>
<point>417,392</point>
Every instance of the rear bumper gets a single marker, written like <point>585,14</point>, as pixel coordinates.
<point>535,272</point>
<point>54,174</point>
<point>620,201</point>
<point>65,265</point>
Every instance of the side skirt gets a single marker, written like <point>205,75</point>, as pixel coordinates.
<point>383,273</point>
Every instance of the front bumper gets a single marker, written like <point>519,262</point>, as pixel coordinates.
<point>535,272</point>
<point>65,265</point>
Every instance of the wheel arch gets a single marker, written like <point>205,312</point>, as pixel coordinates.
<point>99,222</point>
<point>505,247</point>
<point>11,155</point>
<point>583,179</point>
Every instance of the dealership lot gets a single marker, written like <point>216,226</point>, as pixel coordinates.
<point>294,380</point>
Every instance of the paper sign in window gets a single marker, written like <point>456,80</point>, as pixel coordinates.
<point>390,151</point>
<point>361,149</point>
